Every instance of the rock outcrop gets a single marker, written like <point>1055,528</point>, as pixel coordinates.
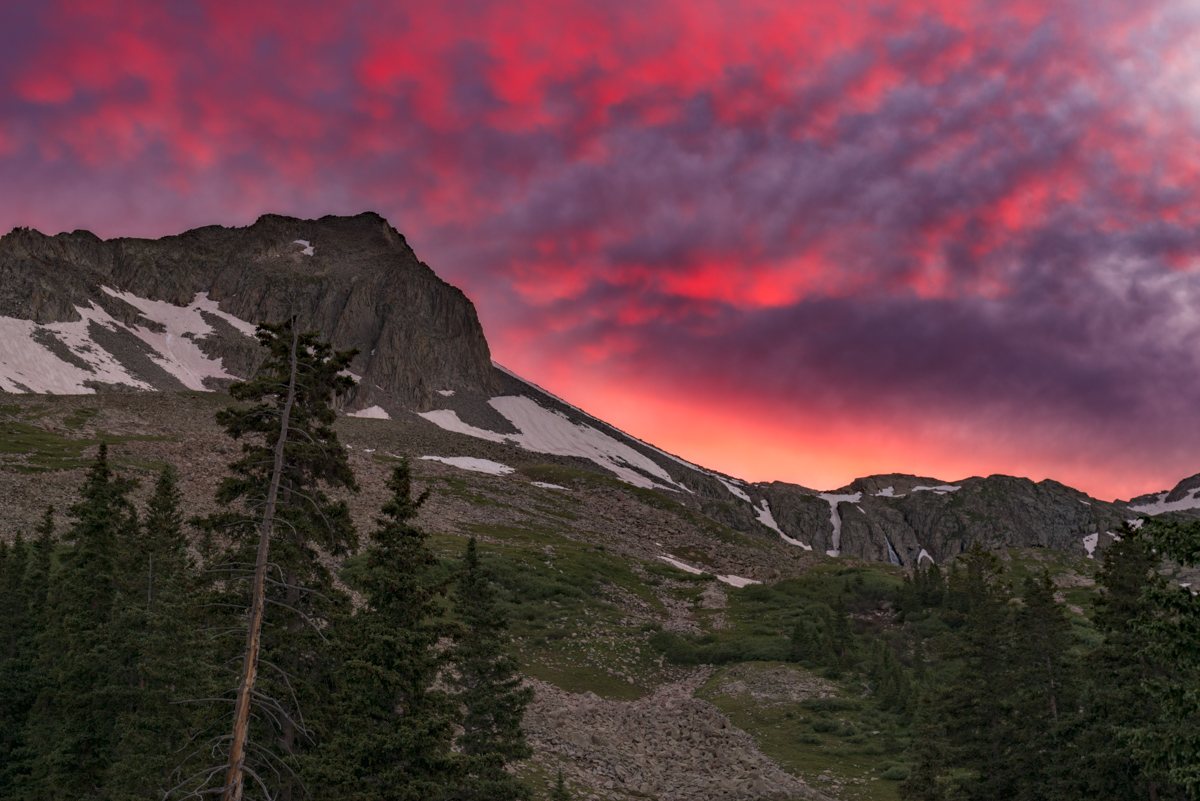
<point>896,517</point>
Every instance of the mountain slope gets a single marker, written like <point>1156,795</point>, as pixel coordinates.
<point>83,315</point>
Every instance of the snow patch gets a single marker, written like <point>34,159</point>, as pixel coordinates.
<point>473,464</point>
<point>924,554</point>
<point>446,393</point>
<point>175,349</point>
<point>357,378</point>
<point>735,581</point>
<point>836,519</point>
<point>308,248</point>
<point>888,492</point>
<point>1161,506</point>
<point>183,318</point>
<point>1089,544</point>
<point>27,365</point>
<point>545,485</point>
<point>659,451</point>
<point>448,419</point>
<point>371,413</point>
<point>545,431</point>
<point>684,566</point>
<point>940,489</point>
<point>735,491</point>
<point>767,519</point>
<point>1136,523</point>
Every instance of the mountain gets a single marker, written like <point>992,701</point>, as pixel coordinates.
<point>652,601</point>
<point>83,315</point>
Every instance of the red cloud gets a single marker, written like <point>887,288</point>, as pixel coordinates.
<point>640,177</point>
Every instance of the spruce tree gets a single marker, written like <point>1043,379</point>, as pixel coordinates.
<point>1115,699</point>
<point>71,729</point>
<point>167,660</point>
<point>1043,697</point>
<point>14,621</point>
<point>20,678</point>
<point>278,528</point>
<point>489,688</point>
<point>1171,625</point>
<point>926,756</point>
<point>974,707</point>
<point>392,736</point>
<point>559,792</point>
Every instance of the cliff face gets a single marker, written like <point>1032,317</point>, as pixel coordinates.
<point>355,280</point>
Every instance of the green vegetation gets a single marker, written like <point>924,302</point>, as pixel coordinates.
<point>120,651</point>
<point>28,447</point>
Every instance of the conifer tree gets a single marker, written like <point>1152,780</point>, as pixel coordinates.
<point>974,706</point>
<point>559,793</point>
<point>927,758</point>
<point>20,680</point>
<point>393,732</point>
<point>167,661</point>
<point>278,525</point>
<point>1043,696</point>
<point>14,620</point>
<point>1171,624</point>
<point>71,730</point>
<point>1115,699</point>
<point>489,689</point>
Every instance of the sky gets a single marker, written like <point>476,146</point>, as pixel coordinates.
<point>803,241</point>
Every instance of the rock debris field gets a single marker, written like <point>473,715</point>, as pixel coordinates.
<point>669,745</point>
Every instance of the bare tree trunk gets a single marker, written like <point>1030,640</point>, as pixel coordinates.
<point>1053,700</point>
<point>241,718</point>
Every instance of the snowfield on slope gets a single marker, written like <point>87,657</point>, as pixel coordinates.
<point>27,363</point>
<point>733,581</point>
<point>836,519</point>
<point>371,413</point>
<point>473,464</point>
<point>543,430</point>
<point>1161,506</point>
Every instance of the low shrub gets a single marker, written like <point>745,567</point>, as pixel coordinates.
<point>830,704</point>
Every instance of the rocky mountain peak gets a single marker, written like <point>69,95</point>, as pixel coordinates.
<point>355,279</point>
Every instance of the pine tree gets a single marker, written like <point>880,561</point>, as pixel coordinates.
<point>840,644</point>
<point>20,678</point>
<point>1043,697</point>
<point>489,688</point>
<point>71,729</point>
<point>166,658</point>
<point>1171,626</point>
<point>928,762</point>
<point>14,621</point>
<point>559,793</point>
<point>393,733</point>
<point>279,525</point>
<point>1102,762</point>
<point>974,707</point>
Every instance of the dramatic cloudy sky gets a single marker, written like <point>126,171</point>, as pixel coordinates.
<point>797,240</point>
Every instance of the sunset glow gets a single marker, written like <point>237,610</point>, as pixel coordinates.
<point>794,241</point>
